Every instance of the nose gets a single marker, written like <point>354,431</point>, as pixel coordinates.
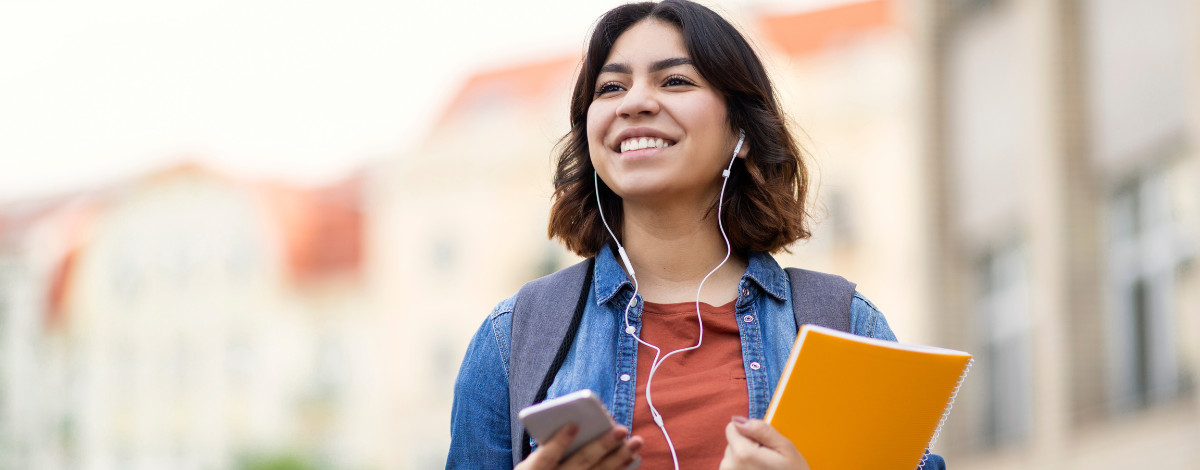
<point>639,100</point>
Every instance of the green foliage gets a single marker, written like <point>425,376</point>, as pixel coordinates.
<point>276,462</point>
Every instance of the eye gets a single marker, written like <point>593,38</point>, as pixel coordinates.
<point>608,87</point>
<point>677,80</point>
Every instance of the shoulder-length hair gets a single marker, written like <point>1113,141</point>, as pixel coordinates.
<point>764,208</point>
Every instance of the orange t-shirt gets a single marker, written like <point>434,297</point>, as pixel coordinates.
<point>696,392</point>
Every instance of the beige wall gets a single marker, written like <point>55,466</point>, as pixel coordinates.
<point>1036,80</point>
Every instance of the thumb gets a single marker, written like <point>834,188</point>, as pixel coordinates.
<point>759,431</point>
<point>549,454</point>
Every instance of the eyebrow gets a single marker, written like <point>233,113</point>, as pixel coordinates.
<point>655,67</point>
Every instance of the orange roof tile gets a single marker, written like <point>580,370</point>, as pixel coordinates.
<point>322,228</point>
<point>61,277</point>
<point>522,83</point>
<point>811,31</point>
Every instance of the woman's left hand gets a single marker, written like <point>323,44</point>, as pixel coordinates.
<point>755,445</point>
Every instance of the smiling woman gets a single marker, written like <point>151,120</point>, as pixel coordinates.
<point>703,71</point>
<point>678,179</point>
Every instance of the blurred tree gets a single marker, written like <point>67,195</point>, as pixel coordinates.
<point>276,462</point>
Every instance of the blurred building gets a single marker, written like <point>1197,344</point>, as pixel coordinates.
<point>183,320</point>
<point>1063,161</point>
<point>459,224</point>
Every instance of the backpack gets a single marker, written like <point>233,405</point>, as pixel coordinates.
<point>548,311</point>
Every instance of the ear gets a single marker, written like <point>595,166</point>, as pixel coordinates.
<point>745,141</point>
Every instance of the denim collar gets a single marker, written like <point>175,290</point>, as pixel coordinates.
<point>761,270</point>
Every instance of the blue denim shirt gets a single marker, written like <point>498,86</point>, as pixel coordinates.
<point>602,356</point>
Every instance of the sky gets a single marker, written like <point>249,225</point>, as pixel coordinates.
<point>303,91</point>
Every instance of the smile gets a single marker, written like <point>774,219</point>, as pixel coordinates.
<point>639,143</point>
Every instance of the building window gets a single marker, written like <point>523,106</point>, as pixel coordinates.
<point>1004,321</point>
<point>445,255</point>
<point>841,218</point>
<point>966,8</point>
<point>1145,250</point>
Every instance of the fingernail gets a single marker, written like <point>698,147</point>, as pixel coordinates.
<point>635,445</point>
<point>572,430</point>
<point>740,420</point>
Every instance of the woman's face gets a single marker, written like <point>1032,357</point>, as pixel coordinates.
<point>656,129</point>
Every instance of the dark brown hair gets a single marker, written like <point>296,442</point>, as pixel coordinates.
<point>764,207</point>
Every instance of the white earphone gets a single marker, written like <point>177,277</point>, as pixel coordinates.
<point>630,329</point>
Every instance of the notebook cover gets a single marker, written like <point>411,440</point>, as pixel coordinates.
<point>850,402</point>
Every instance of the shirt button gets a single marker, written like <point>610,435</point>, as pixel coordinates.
<point>630,329</point>
<point>755,366</point>
<point>746,292</point>
<point>625,377</point>
<point>748,318</point>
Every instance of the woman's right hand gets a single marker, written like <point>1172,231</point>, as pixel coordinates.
<point>608,452</point>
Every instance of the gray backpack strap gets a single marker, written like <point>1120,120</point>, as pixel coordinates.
<point>542,319</point>
<point>821,299</point>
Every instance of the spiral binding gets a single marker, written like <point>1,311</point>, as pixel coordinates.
<point>945,413</point>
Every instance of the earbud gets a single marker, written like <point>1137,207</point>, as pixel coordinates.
<point>736,150</point>
<point>630,329</point>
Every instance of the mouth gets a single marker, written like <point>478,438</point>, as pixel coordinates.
<point>642,143</point>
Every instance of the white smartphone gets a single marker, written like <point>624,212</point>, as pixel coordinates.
<point>582,408</point>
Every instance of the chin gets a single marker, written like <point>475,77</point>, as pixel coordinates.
<point>645,187</point>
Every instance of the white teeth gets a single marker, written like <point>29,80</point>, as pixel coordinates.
<point>638,143</point>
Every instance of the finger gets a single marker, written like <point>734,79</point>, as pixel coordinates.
<point>621,457</point>
<point>741,450</point>
<point>736,440</point>
<point>759,431</point>
<point>594,451</point>
<point>730,460</point>
<point>549,454</point>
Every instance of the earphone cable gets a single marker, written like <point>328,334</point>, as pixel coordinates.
<point>654,364</point>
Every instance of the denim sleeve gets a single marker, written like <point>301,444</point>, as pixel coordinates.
<point>479,425</point>
<point>867,320</point>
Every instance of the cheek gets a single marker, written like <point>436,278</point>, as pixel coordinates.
<point>705,121</point>
<point>702,112</point>
<point>598,121</point>
<point>713,114</point>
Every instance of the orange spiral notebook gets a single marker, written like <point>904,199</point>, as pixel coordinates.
<point>850,402</point>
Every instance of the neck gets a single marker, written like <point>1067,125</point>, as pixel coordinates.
<point>673,246</point>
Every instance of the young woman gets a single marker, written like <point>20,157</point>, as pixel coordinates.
<point>687,320</point>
